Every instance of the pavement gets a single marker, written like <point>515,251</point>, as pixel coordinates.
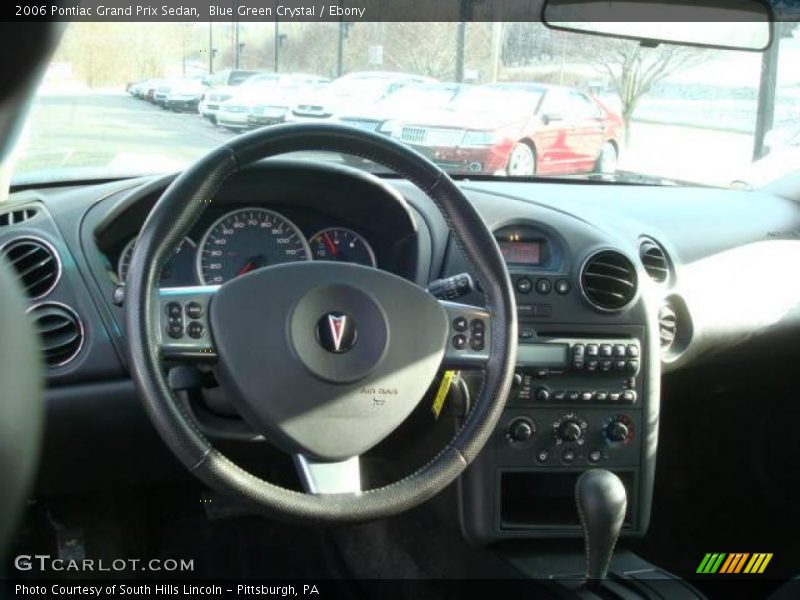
<point>122,134</point>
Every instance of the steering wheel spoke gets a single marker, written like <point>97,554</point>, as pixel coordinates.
<point>343,477</point>
<point>468,336</point>
<point>183,330</point>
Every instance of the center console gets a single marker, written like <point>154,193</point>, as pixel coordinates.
<point>585,395</point>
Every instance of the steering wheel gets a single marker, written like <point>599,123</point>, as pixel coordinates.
<point>322,358</point>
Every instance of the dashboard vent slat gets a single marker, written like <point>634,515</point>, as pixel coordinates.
<point>36,263</point>
<point>667,326</point>
<point>654,261</point>
<point>608,280</point>
<point>14,217</point>
<point>60,331</point>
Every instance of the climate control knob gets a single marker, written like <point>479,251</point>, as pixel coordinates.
<point>619,430</point>
<point>521,430</point>
<point>570,431</point>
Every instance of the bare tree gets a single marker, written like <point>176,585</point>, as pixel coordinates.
<point>633,69</point>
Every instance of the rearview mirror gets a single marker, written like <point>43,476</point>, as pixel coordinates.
<point>724,24</point>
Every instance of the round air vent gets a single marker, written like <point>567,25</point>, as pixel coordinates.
<point>60,330</point>
<point>608,280</point>
<point>654,261</point>
<point>36,263</point>
<point>667,326</point>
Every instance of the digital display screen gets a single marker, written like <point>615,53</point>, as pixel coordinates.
<point>521,253</point>
<point>542,355</point>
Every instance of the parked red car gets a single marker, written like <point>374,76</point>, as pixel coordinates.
<point>519,129</point>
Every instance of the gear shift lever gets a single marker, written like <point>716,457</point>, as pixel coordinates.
<point>601,501</point>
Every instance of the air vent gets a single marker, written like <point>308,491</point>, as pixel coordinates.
<point>654,261</point>
<point>15,217</point>
<point>37,264</point>
<point>608,280</point>
<point>667,326</point>
<point>60,330</point>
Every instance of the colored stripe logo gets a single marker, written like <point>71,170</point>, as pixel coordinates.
<point>734,563</point>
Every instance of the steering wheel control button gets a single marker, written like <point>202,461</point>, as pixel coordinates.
<point>460,324</point>
<point>562,287</point>
<point>195,329</point>
<point>477,326</point>
<point>174,310</point>
<point>543,286</point>
<point>476,342</point>
<point>194,310</point>
<point>175,331</point>
<point>459,341</point>
<point>524,285</point>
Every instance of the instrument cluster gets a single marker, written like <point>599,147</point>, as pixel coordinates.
<point>247,239</point>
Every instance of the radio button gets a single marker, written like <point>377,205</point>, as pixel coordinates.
<point>605,365</point>
<point>632,366</point>
<point>577,364</point>
<point>633,350</point>
<point>573,396</point>
<point>542,373</point>
<point>601,396</point>
<point>542,394</point>
<point>629,396</point>
<point>592,365</point>
<point>591,349</point>
<point>559,396</point>
<point>587,396</point>
<point>614,396</point>
<point>619,365</point>
<point>605,350</point>
<point>578,350</point>
<point>619,350</point>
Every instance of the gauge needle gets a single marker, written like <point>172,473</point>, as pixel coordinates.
<point>331,246</point>
<point>252,263</point>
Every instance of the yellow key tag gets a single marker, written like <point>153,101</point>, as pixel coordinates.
<point>441,395</point>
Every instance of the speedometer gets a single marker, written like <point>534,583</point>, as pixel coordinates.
<point>245,240</point>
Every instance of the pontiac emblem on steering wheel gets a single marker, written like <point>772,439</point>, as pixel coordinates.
<point>336,332</point>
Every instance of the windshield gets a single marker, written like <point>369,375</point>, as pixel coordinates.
<point>482,99</point>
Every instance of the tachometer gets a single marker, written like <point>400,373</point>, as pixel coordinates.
<point>341,244</point>
<point>245,240</point>
<point>178,271</point>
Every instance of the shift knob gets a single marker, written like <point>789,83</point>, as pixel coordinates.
<point>601,500</point>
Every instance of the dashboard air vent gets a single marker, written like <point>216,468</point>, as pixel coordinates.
<point>60,330</point>
<point>13,217</point>
<point>667,326</point>
<point>36,263</point>
<point>654,261</point>
<point>609,280</point>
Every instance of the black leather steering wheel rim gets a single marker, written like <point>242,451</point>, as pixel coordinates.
<point>172,217</point>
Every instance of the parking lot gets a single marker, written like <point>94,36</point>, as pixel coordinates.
<point>125,135</point>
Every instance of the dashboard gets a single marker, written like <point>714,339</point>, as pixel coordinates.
<point>615,285</point>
